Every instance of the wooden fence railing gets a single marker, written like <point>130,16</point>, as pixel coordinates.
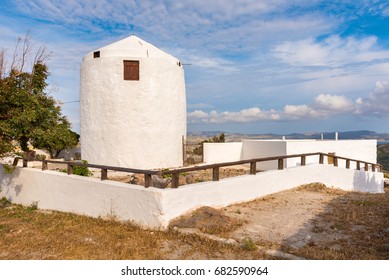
<point>174,173</point>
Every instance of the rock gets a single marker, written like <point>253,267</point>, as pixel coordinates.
<point>159,182</point>
<point>190,179</point>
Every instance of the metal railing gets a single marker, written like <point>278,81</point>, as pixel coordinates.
<point>174,173</point>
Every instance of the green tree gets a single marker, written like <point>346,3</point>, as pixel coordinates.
<point>28,115</point>
<point>56,138</point>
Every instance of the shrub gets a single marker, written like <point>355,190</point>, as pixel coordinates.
<point>8,169</point>
<point>79,170</point>
<point>33,206</point>
<point>248,244</point>
<point>40,157</point>
<point>82,170</point>
<point>4,202</point>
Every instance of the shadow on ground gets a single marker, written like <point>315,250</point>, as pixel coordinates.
<point>312,221</point>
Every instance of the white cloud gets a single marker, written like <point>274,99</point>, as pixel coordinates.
<point>377,103</point>
<point>323,106</point>
<point>197,114</point>
<point>243,116</point>
<point>333,103</point>
<point>297,112</point>
<point>332,52</point>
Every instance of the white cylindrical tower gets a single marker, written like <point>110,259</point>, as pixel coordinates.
<point>132,106</point>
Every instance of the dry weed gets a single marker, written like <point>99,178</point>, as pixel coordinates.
<point>207,220</point>
<point>35,234</point>
<point>360,223</point>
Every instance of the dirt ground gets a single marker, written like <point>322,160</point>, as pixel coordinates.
<point>312,222</point>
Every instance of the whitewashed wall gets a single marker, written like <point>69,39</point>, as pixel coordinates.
<point>82,195</point>
<point>222,152</point>
<point>263,148</point>
<point>364,150</point>
<point>155,208</point>
<point>136,124</point>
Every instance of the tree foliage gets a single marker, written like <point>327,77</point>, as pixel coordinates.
<point>56,138</point>
<point>28,115</point>
<point>383,156</point>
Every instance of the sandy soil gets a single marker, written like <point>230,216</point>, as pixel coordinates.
<point>310,221</point>
<point>287,217</point>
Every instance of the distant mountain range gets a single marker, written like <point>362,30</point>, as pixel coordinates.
<point>360,134</point>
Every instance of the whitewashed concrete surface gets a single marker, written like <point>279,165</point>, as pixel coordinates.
<point>155,208</point>
<point>364,150</point>
<point>82,195</point>
<point>132,123</point>
<point>222,152</point>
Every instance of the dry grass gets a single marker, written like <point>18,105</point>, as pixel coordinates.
<point>26,233</point>
<point>359,220</point>
<point>208,220</point>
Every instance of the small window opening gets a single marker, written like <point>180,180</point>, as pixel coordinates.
<point>131,70</point>
<point>96,54</point>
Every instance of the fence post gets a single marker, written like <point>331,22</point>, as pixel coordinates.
<point>280,163</point>
<point>321,158</point>
<point>358,165</point>
<point>44,165</point>
<point>215,174</point>
<point>303,160</point>
<point>16,160</point>
<point>175,180</point>
<point>335,161</point>
<point>25,161</point>
<point>347,163</point>
<point>253,168</point>
<point>104,174</point>
<point>374,167</point>
<point>70,169</point>
<point>366,166</point>
<point>148,180</point>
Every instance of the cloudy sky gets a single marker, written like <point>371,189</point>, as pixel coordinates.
<point>256,66</point>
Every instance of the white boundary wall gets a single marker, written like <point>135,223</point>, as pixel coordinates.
<point>364,150</point>
<point>155,208</point>
<point>264,148</point>
<point>222,152</point>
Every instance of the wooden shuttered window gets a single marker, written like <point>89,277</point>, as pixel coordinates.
<point>131,70</point>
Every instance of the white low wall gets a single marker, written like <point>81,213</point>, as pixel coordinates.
<point>364,150</point>
<point>155,208</point>
<point>82,195</point>
<point>264,148</point>
<point>222,152</point>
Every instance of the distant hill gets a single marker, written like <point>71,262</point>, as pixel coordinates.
<point>360,134</point>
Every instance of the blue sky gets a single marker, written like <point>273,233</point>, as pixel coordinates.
<point>276,66</point>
